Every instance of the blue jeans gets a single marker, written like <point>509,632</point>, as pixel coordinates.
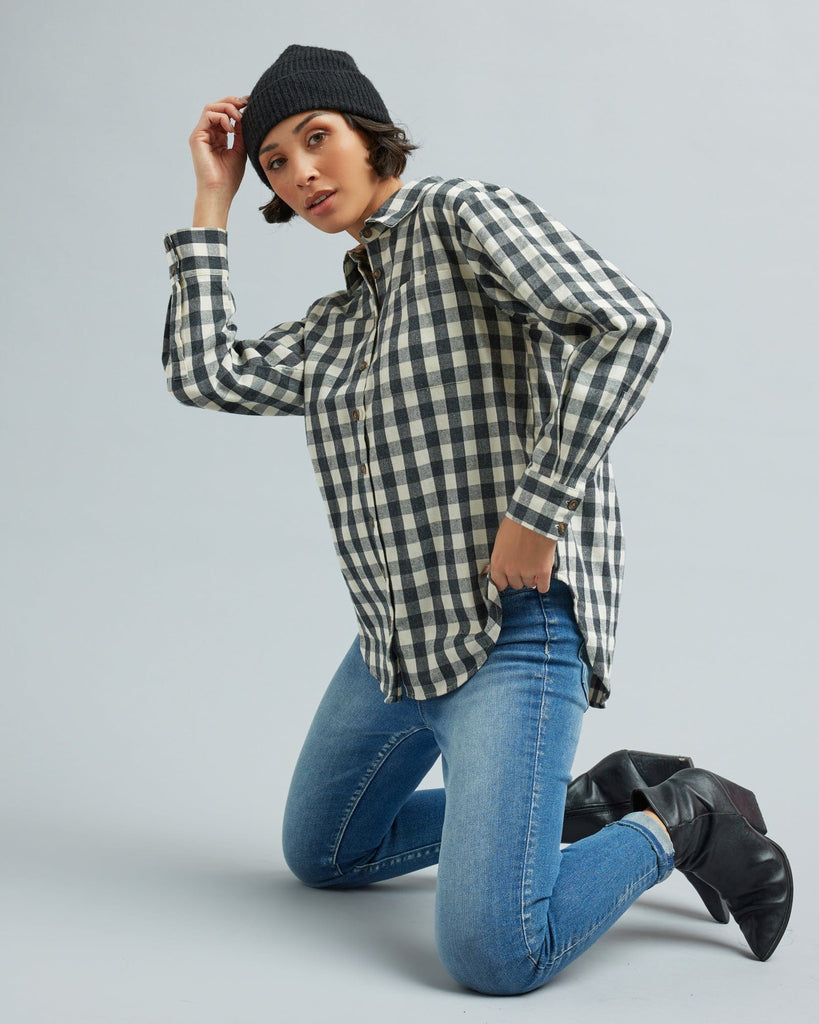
<point>512,908</point>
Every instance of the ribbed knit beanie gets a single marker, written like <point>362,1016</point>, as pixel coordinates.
<point>307,78</point>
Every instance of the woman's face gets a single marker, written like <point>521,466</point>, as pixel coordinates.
<point>319,165</point>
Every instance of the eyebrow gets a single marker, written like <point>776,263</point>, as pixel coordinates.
<point>296,130</point>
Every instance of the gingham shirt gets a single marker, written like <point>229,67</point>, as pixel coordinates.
<point>478,363</point>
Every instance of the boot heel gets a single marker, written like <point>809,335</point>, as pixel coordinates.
<point>714,903</point>
<point>745,802</point>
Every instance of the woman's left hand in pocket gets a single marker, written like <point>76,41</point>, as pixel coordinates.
<point>521,558</point>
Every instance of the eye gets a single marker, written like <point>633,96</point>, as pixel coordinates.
<point>275,163</point>
<point>319,135</point>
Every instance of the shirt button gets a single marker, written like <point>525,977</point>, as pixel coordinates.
<point>572,504</point>
<point>356,414</point>
<point>378,273</point>
<point>371,521</point>
<point>561,528</point>
<point>363,364</point>
<point>363,469</point>
<point>367,232</point>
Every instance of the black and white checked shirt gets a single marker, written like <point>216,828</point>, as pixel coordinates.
<point>478,363</point>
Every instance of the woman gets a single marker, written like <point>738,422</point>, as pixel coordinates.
<point>460,395</point>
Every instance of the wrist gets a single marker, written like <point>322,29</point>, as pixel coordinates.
<point>210,209</point>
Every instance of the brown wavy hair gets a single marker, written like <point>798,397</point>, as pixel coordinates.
<point>388,147</point>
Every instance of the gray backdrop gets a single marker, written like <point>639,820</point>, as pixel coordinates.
<point>172,604</point>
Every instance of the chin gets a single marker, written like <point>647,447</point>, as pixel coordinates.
<point>330,229</point>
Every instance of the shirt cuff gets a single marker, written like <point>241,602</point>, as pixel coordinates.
<point>543,505</point>
<point>191,249</point>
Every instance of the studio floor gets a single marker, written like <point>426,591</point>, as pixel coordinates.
<point>166,926</point>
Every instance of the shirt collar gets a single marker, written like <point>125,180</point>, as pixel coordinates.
<point>399,205</point>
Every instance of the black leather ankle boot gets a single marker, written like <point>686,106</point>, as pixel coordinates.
<point>718,834</point>
<point>603,795</point>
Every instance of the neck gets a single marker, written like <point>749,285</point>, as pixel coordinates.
<point>387,188</point>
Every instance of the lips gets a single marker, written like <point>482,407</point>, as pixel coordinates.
<point>316,198</point>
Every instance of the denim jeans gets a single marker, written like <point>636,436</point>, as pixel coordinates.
<point>512,907</point>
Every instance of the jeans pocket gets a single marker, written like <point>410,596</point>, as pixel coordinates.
<point>585,673</point>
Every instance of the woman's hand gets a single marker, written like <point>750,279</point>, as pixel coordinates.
<point>218,168</point>
<point>521,558</point>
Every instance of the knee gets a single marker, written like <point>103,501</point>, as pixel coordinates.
<point>308,870</point>
<point>486,959</point>
<point>310,874</point>
<point>312,851</point>
<point>304,856</point>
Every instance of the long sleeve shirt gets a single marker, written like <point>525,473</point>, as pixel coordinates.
<point>477,364</point>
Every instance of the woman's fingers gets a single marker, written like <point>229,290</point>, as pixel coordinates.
<point>225,111</point>
<point>217,163</point>
<point>231,105</point>
<point>222,114</point>
<point>216,119</point>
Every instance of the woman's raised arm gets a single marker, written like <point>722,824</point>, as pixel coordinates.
<point>218,166</point>
<point>205,364</point>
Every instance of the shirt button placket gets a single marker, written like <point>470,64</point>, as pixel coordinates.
<point>368,497</point>
<point>364,400</point>
<point>361,399</point>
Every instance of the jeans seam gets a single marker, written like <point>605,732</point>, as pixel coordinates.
<point>624,897</point>
<point>525,878</point>
<point>380,759</point>
<point>409,855</point>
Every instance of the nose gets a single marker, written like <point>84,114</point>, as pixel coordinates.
<point>304,172</point>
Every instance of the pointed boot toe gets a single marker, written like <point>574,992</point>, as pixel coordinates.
<point>719,837</point>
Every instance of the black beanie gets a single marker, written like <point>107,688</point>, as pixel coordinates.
<point>306,78</point>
